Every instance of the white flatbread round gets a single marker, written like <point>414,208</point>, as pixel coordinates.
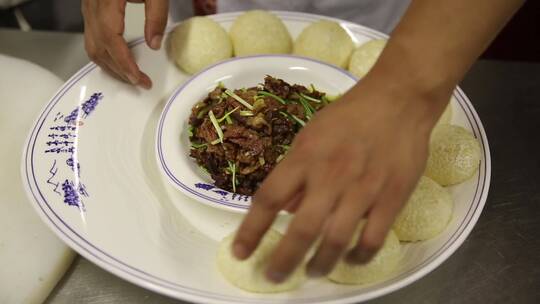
<point>426,214</point>
<point>197,43</point>
<point>454,155</point>
<point>260,32</point>
<point>383,264</point>
<point>365,57</point>
<point>249,275</point>
<point>325,41</point>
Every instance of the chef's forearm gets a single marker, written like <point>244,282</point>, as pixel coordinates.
<point>436,42</point>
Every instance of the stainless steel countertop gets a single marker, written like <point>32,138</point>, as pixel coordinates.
<point>498,263</point>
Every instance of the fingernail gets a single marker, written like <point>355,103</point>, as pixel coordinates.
<point>359,256</point>
<point>156,42</point>
<point>314,273</point>
<point>240,251</point>
<point>145,82</point>
<point>145,85</point>
<point>134,80</point>
<point>276,277</point>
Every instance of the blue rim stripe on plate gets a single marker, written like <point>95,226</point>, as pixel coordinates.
<point>391,285</point>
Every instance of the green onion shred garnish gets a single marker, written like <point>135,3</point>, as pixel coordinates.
<point>332,98</point>
<point>239,99</point>
<point>204,169</point>
<point>203,112</point>
<point>246,113</point>
<point>293,117</point>
<point>264,93</point>
<point>232,169</point>
<point>198,146</point>
<point>325,100</point>
<point>307,107</point>
<point>285,147</point>
<point>310,98</point>
<point>227,116</point>
<point>216,126</point>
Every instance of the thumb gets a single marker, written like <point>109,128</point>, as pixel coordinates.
<point>156,19</point>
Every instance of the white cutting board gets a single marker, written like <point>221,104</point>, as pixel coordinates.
<point>32,258</point>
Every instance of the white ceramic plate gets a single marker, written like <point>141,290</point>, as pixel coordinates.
<point>172,139</point>
<point>97,186</point>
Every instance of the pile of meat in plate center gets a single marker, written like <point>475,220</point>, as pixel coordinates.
<point>256,126</point>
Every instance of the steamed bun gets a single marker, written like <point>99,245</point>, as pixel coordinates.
<point>249,274</point>
<point>426,213</point>
<point>197,43</point>
<point>454,155</point>
<point>325,41</point>
<point>364,57</point>
<point>260,32</point>
<point>380,267</point>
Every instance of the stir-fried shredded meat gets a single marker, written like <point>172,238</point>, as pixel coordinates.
<point>256,127</point>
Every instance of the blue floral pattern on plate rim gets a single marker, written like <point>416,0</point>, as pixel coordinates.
<point>63,133</point>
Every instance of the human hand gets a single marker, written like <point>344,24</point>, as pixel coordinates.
<point>104,43</point>
<point>359,157</point>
